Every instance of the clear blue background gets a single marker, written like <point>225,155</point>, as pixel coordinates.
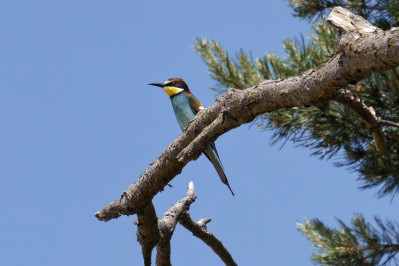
<point>79,124</point>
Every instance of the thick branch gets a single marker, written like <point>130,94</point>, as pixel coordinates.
<point>147,231</point>
<point>366,114</point>
<point>167,225</point>
<point>199,230</point>
<point>360,54</point>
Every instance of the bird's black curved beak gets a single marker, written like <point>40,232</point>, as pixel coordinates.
<point>157,84</point>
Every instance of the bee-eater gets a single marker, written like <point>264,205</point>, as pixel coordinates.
<point>186,106</point>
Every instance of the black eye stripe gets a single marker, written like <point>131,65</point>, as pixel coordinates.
<point>175,84</point>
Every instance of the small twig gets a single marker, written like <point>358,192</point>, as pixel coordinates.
<point>199,230</point>
<point>388,123</point>
<point>366,114</point>
<point>203,222</point>
<point>147,231</point>
<point>168,224</point>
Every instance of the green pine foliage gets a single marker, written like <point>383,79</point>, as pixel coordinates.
<point>330,130</point>
<point>360,244</point>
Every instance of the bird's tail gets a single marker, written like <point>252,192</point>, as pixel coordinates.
<point>211,153</point>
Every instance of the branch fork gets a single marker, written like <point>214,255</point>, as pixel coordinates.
<point>153,232</point>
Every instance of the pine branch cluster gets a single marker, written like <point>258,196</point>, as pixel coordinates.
<point>358,244</point>
<point>326,129</point>
<point>330,130</point>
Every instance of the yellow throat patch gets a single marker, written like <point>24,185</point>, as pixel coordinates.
<point>172,90</point>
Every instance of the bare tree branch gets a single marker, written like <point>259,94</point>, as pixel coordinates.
<point>147,231</point>
<point>167,225</point>
<point>388,123</point>
<point>362,49</point>
<point>199,230</point>
<point>366,114</point>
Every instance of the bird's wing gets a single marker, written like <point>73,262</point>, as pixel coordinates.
<point>195,104</point>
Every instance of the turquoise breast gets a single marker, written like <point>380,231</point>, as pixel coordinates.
<point>183,111</point>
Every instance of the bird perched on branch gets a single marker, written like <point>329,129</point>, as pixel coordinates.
<point>186,106</point>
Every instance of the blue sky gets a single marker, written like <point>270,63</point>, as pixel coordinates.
<point>79,124</point>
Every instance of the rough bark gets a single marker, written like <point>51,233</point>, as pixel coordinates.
<point>147,231</point>
<point>362,49</point>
